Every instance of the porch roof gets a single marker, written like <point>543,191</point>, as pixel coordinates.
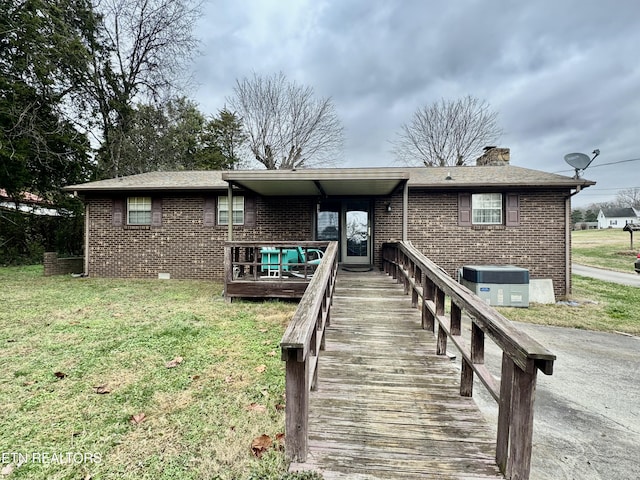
<point>325,182</point>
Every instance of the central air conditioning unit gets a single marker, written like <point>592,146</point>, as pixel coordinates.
<point>498,285</point>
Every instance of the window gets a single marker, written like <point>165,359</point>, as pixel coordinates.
<point>486,208</point>
<point>238,210</point>
<point>483,209</point>
<point>327,222</point>
<point>139,211</point>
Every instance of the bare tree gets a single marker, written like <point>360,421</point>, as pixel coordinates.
<point>629,197</point>
<point>446,133</point>
<point>139,52</point>
<point>286,126</point>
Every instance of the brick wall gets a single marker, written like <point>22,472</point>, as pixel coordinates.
<point>537,243</point>
<point>182,246</point>
<point>61,266</point>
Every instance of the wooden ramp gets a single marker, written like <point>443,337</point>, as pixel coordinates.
<point>386,406</point>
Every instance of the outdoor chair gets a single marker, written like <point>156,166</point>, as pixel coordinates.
<point>298,262</point>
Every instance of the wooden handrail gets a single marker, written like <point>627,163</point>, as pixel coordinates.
<point>522,356</point>
<point>300,346</point>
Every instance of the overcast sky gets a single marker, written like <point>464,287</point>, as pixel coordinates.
<point>563,75</point>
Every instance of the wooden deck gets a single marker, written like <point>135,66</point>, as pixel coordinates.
<point>387,407</point>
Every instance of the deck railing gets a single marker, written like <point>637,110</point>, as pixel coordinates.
<point>522,356</point>
<point>301,345</point>
<point>269,269</point>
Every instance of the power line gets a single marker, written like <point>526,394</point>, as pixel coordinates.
<point>593,194</point>
<point>617,189</point>
<point>605,164</point>
<point>615,163</point>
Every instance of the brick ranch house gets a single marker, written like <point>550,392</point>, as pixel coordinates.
<point>174,224</point>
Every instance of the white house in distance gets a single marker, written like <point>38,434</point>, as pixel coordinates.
<point>617,217</point>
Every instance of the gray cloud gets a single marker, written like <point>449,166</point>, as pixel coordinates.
<point>563,75</point>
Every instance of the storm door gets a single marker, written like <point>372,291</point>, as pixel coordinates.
<point>356,232</point>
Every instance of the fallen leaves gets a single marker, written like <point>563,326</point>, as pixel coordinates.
<point>264,442</point>
<point>138,418</point>
<point>174,363</point>
<point>256,407</point>
<point>7,469</point>
<point>261,444</point>
<point>261,368</point>
<point>102,389</point>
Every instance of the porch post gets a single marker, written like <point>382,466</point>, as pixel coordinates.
<point>405,211</point>
<point>87,229</point>
<point>230,213</point>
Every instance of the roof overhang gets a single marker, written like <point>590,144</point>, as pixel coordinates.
<point>324,183</point>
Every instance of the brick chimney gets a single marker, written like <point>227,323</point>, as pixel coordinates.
<point>493,156</point>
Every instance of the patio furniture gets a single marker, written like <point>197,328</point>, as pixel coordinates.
<point>289,261</point>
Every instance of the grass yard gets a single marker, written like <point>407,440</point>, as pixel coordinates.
<point>137,379</point>
<point>602,306</point>
<point>608,249</point>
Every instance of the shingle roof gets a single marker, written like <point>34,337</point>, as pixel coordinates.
<point>433,177</point>
<point>505,175</point>
<point>619,212</point>
<point>180,180</point>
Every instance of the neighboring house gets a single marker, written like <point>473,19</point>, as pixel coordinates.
<point>27,203</point>
<point>175,223</point>
<point>617,217</point>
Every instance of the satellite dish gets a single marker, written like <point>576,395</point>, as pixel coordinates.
<point>577,160</point>
<point>580,161</point>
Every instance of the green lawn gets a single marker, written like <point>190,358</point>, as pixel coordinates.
<point>601,306</point>
<point>608,248</point>
<point>80,359</point>
<point>63,338</point>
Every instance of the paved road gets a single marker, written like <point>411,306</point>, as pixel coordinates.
<point>632,279</point>
<point>587,414</point>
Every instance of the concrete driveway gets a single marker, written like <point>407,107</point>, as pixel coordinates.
<point>632,279</point>
<point>587,414</point>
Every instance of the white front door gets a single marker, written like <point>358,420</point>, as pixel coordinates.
<point>356,232</point>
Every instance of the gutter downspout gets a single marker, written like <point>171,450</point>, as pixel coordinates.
<point>567,240</point>
<point>405,212</point>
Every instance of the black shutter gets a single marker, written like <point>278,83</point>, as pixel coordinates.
<point>209,218</point>
<point>156,212</point>
<point>249,211</point>
<point>117,212</point>
<point>512,210</point>
<point>464,210</point>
